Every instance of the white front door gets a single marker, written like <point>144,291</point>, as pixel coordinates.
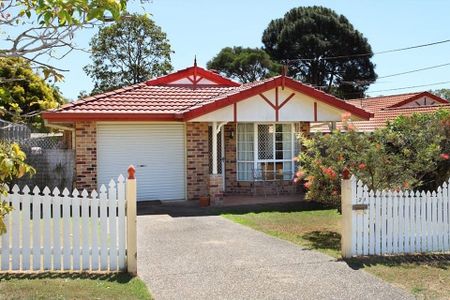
<point>156,150</point>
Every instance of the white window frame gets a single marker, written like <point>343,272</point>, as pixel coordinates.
<point>256,160</point>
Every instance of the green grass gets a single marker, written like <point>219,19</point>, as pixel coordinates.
<point>72,286</point>
<point>427,277</point>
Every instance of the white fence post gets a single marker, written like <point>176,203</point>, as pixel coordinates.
<point>346,207</point>
<point>131,221</point>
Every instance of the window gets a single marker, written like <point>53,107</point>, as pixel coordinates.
<point>275,145</point>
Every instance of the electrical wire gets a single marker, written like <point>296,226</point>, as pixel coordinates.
<point>409,87</point>
<point>370,53</point>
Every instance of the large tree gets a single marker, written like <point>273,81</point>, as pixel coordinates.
<point>35,30</point>
<point>244,64</point>
<point>322,48</point>
<point>23,93</point>
<point>127,52</point>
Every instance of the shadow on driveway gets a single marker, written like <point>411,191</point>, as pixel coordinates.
<point>192,208</point>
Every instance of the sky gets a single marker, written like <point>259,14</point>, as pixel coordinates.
<point>202,28</point>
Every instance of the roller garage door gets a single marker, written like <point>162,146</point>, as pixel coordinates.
<point>157,151</point>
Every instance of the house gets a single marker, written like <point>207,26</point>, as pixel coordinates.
<point>194,133</point>
<point>387,108</point>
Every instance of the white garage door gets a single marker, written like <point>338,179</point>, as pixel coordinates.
<point>157,151</point>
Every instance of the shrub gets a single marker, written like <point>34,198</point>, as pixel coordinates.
<point>409,153</point>
<point>12,165</point>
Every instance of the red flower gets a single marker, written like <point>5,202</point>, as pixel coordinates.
<point>362,166</point>
<point>329,172</point>
<point>296,179</point>
<point>300,174</point>
<point>444,156</point>
<point>308,185</point>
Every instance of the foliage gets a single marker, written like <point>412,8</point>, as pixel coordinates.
<point>244,64</point>
<point>409,153</point>
<point>23,93</point>
<point>443,93</point>
<point>322,48</point>
<point>48,25</point>
<point>12,165</point>
<point>423,143</point>
<point>128,52</point>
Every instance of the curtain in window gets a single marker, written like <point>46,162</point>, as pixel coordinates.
<point>245,151</point>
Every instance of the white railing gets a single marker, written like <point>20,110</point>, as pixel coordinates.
<point>50,230</point>
<point>394,222</point>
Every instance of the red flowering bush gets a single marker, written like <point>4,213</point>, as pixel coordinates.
<point>410,153</point>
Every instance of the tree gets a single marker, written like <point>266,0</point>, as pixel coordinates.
<point>128,52</point>
<point>49,27</point>
<point>443,93</point>
<point>244,64</point>
<point>24,94</point>
<point>322,48</point>
<point>12,165</point>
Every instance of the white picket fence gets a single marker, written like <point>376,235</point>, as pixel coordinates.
<point>49,230</point>
<point>391,222</point>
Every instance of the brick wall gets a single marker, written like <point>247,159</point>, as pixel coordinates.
<point>197,162</point>
<point>86,155</point>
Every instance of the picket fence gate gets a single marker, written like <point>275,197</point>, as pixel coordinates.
<point>394,222</point>
<point>54,231</point>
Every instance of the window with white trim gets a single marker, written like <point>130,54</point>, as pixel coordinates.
<point>268,148</point>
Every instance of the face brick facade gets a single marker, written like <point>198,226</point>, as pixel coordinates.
<point>86,155</point>
<point>197,162</point>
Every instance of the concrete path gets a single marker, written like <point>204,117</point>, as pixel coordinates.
<point>210,257</point>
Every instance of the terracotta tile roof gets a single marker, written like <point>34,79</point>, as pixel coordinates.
<point>384,109</point>
<point>375,104</point>
<point>164,99</point>
<point>142,98</point>
<point>383,116</point>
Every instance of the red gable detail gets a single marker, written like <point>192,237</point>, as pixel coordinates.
<point>253,89</point>
<point>418,96</point>
<point>193,74</point>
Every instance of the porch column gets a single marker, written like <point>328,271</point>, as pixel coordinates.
<point>215,131</point>
<point>215,180</point>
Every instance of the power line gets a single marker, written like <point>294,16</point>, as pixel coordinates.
<point>410,87</point>
<point>371,53</point>
<point>415,70</point>
<point>363,82</point>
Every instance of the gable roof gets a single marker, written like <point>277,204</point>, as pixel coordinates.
<point>166,100</point>
<point>387,108</point>
<point>375,104</point>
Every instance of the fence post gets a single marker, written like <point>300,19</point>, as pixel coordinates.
<point>131,222</point>
<point>346,208</point>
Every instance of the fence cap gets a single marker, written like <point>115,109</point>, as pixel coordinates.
<point>346,173</point>
<point>131,172</point>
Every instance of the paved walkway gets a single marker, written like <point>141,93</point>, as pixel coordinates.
<point>210,257</point>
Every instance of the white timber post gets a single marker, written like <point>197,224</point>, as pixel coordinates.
<point>131,221</point>
<point>346,209</point>
<point>214,147</point>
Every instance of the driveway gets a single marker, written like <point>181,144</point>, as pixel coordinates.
<point>209,257</point>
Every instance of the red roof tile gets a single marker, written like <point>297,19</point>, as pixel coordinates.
<point>386,109</point>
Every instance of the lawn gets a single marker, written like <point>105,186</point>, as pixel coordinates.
<point>72,286</point>
<point>425,276</point>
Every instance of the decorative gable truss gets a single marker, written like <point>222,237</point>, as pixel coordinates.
<point>273,102</point>
<point>420,100</point>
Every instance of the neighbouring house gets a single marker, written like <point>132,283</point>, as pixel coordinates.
<point>194,133</point>
<point>387,108</point>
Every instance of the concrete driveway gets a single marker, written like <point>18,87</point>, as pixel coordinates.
<point>210,257</point>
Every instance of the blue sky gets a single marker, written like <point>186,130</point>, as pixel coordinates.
<point>202,28</point>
